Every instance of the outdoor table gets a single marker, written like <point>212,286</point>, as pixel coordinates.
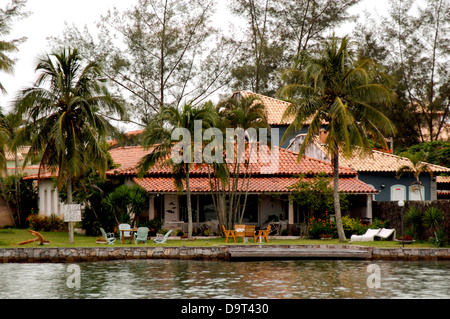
<point>132,231</point>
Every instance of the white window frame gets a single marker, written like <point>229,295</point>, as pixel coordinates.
<point>412,194</point>
<point>393,188</point>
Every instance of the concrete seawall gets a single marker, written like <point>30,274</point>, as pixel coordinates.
<point>218,253</point>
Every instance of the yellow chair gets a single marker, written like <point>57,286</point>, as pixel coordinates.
<point>229,233</point>
<point>240,231</point>
<point>264,233</point>
<point>250,232</point>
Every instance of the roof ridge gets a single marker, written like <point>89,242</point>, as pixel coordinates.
<point>264,96</point>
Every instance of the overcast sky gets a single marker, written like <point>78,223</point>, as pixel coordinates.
<point>48,18</point>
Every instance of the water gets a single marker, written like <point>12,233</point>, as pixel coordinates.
<point>155,279</point>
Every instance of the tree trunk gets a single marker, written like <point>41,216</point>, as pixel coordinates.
<point>70,201</point>
<point>189,206</point>
<point>337,204</point>
<point>17,186</point>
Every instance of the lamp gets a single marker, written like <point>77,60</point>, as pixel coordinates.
<point>401,204</point>
<point>383,186</point>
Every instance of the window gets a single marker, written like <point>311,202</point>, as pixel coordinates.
<point>398,192</point>
<point>251,209</point>
<point>416,192</point>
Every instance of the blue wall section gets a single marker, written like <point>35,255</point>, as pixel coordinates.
<point>389,179</point>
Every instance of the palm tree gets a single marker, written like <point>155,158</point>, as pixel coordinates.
<point>230,182</point>
<point>337,92</point>
<point>9,143</point>
<point>158,137</point>
<point>418,167</point>
<point>62,113</point>
<point>6,63</point>
<point>10,11</point>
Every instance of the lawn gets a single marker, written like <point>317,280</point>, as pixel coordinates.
<point>10,238</point>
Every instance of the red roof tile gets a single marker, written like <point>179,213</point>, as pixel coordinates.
<point>256,185</point>
<point>274,108</point>
<point>376,161</point>
<point>283,163</point>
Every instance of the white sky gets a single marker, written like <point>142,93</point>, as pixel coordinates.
<point>48,18</point>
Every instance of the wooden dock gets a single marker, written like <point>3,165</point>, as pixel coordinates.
<point>267,253</point>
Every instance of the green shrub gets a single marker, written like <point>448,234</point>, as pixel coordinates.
<point>154,225</point>
<point>352,226</point>
<point>439,239</point>
<point>45,223</point>
<point>321,226</point>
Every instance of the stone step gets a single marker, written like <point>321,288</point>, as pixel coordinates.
<point>298,253</point>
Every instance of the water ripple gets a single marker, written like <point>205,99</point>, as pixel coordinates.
<point>156,279</point>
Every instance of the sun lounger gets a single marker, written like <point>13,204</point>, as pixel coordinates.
<point>368,236</point>
<point>385,234</point>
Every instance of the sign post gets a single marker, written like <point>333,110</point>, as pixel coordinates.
<point>72,213</point>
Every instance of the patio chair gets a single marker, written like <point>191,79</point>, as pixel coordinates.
<point>239,231</point>
<point>141,235</point>
<point>368,236</point>
<point>264,233</point>
<point>109,237</point>
<point>250,232</point>
<point>160,239</point>
<point>229,233</point>
<point>125,234</point>
<point>385,234</point>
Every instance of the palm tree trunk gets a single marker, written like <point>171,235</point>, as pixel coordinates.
<point>17,186</point>
<point>189,206</point>
<point>337,204</point>
<point>69,201</point>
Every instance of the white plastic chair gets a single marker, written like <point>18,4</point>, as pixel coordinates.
<point>162,239</point>
<point>109,237</point>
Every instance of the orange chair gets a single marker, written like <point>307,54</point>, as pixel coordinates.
<point>264,233</point>
<point>250,232</point>
<point>240,231</point>
<point>228,234</point>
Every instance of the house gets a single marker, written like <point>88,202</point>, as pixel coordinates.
<point>14,164</point>
<point>275,109</point>
<point>268,191</point>
<point>439,121</point>
<point>379,169</point>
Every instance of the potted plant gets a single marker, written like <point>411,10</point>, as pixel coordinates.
<point>405,239</point>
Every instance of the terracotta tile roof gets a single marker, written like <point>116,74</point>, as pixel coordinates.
<point>376,162</point>
<point>159,179</point>
<point>113,142</point>
<point>42,175</point>
<point>274,108</point>
<point>129,157</point>
<point>256,185</point>
<point>443,179</point>
<point>384,162</point>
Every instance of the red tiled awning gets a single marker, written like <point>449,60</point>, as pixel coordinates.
<point>350,185</point>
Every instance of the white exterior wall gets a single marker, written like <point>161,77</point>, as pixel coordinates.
<point>267,207</point>
<point>49,200</point>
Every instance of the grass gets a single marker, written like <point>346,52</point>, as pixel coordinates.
<point>10,237</point>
